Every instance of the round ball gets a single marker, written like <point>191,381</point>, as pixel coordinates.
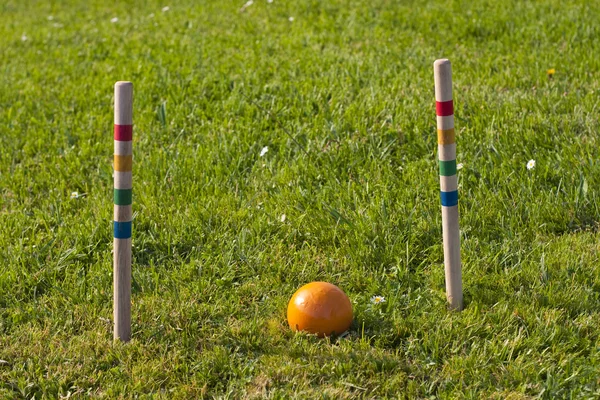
<point>320,308</point>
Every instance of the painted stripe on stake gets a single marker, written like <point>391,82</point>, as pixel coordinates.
<point>447,168</point>
<point>123,163</point>
<point>122,230</point>
<point>123,133</point>
<point>122,197</point>
<point>444,108</point>
<point>446,136</point>
<point>449,199</point>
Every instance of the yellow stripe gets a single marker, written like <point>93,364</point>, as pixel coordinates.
<point>446,136</point>
<point>122,163</point>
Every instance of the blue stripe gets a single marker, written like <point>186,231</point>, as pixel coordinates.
<point>449,199</point>
<point>122,230</point>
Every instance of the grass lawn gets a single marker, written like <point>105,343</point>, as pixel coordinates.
<point>341,94</point>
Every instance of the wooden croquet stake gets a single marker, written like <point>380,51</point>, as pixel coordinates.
<point>122,211</point>
<point>442,72</point>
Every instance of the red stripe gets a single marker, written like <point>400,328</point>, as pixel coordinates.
<point>123,133</point>
<point>444,108</point>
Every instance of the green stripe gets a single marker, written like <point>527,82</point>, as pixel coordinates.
<point>122,197</point>
<point>447,168</point>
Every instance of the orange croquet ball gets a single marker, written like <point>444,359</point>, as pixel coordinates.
<point>320,308</point>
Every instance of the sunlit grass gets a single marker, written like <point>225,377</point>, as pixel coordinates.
<point>281,143</point>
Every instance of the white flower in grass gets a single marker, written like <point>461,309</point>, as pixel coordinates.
<point>165,8</point>
<point>459,166</point>
<point>114,20</point>
<point>246,5</point>
<point>269,1</point>
<point>291,19</point>
<point>24,37</point>
<point>75,195</point>
<point>50,17</point>
<point>530,164</point>
<point>282,217</point>
<point>264,151</point>
<point>377,299</point>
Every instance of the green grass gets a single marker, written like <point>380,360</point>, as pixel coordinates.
<point>343,98</point>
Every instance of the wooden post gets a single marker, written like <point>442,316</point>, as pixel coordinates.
<point>444,107</point>
<point>122,211</point>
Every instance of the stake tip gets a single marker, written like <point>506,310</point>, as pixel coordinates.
<point>123,83</point>
<point>441,61</point>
